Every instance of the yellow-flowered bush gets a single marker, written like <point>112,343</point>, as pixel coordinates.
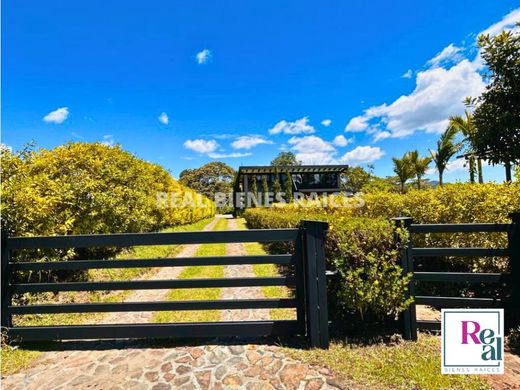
<point>89,188</point>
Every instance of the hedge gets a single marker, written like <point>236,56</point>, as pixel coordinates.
<point>88,188</point>
<point>363,252</point>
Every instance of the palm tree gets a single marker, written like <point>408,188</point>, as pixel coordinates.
<point>467,127</point>
<point>446,148</point>
<point>419,165</point>
<point>403,169</point>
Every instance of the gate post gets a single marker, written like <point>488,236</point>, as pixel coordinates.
<point>5,293</point>
<point>514,262</point>
<point>316,283</point>
<point>409,316</point>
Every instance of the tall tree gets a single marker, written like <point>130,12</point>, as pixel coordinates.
<point>265,190</point>
<point>288,187</point>
<point>419,165</point>
<point>403,168</point>
<point>446,148</point>
<point>466,126</point>
<point>209,179</point>
<point>496,116</point>
<point>285,159</point>
<point>254,189</point>
<point>277,188</point>
<point>355,178</point>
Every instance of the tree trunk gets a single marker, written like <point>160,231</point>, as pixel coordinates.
<point>440,177</point>
<point>402,187</point>
<point>472,169</point>
<point>480,173</point>
<point>508,170</point>
<point>418,182</point>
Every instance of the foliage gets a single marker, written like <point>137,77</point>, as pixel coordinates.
<point>285,159</point>
<point>419,165</point>
<point>496,115</point>
<point>361,250</point>
<point>380,184</point>
<point>355,178</point>
<point>288,187</point>
<point>446,148</point>
<point>209,179</point>
<point>89,188</point>
<point>277,187</point>
<point>466,126</point>
<point>403,169</point>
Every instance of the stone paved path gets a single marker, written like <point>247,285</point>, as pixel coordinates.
<point>140,365</point>
<point>241,271</point>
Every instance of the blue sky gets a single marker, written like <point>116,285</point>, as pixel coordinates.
<point>185,83</point>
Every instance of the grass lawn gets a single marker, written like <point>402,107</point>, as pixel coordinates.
<point>17,357</point>
<point>216,271</point>
<point>407,365</point>
<point>265,270</point>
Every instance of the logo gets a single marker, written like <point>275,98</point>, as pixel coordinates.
<point>472,341</point>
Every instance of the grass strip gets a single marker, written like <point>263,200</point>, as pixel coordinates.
<point>200,272</point>
<point>266,270</point>
<point>406,365</point>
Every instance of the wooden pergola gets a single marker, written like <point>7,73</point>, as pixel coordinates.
<point>322,179</point>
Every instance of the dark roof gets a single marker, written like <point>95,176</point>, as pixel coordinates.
<point>292,168</point>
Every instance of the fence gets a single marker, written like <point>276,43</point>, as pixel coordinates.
<point>308,280</point>
<point>408,253</point>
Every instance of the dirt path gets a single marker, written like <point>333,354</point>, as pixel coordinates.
<point>154,295</point>
<point>241,271</point>
<point>139,365</point>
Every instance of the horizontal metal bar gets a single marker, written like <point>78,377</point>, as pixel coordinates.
<point>460,227</point>
<point>135,239</point>
<point>456,301</point>
<point>165,262</point>
<point>153,284</point>
<point>152,331</point>
<point>458,277</point>
<point>155,306</point>
<point>474,252</point>
<point>428,325</point>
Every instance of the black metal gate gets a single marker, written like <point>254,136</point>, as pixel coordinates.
<point>308,281</point>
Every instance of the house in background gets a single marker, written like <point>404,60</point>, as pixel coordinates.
<point>306,179</point>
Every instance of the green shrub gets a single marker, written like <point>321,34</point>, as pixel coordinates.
<point>87,188</point>
<point>363,252</point>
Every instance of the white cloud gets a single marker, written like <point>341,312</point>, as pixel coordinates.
<point>362,155</point>
<point>507,22</point>
<point>228,155</point>
<point>313,150</point>
<point>408,74</point>
<point>341,141</point>
<point>203,56</point>
<point>439,92</point>
<point>381,135</point>
<point>163,118</point>
<point>201,146</point>
<point>300,126</point>
<point>57,116</point>
<point>450,54</point>
<point>108,140</point>
<point>5,147</point>
<point>247,142</point>
<point>326,122</point>
<point>358,123</point>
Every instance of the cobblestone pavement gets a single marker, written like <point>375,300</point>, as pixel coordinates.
<point>241,271</point>
<point>138,365</point>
